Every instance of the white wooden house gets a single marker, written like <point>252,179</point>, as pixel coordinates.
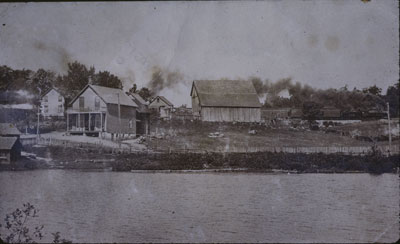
<point>52,104</point>
<point>99,109</point>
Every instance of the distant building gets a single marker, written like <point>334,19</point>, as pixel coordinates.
<point>99,109</point>
<point>52,103</point>
<point>274,113</point>
<point>296,113</point>
<point>142,114</point>
<point>162,106</point>
<point>10,149</point>
<point>330,113</point>
<point>183,113</point>
<point>225,100</point>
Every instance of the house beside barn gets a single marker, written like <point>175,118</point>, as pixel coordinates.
<point>98,109</point>
<point>225,101</point>
<point>10,145</point>
<point>161,105</point>
<point>52,103</point>
<point>142,114</point>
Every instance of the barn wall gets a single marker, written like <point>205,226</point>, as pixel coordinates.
<point>128,119</point>
<point>223,114</point>
<point>195,103</point>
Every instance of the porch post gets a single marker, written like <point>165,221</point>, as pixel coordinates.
<point>67,122</point>
<point>79,121</point>
<point>101,121</point>
<point>89,123</point>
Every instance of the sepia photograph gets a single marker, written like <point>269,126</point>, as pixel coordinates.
<point>273,121</point>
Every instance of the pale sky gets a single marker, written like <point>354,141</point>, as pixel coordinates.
<point>322,43</point>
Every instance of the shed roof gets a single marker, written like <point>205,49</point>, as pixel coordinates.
<point>6,143</point>
<point>8,129</point>
<point>226,93</point>
<point>109,95</point>
<point>138,98</point>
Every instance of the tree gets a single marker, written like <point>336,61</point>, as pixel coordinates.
<point>311,110</point>
<point>42,81</point>
<point>374,90</point>
<point>77,78</point>
<point>392,97</point>
<point>16,225</point>
<point>145,93</point>
<point>133,88</point>
<point>18,232</point>
<point>104,78</point>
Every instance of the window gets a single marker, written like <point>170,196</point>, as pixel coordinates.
<point>81,102</point>
<point>60,98</point>
<point>60,108</point>
<point>46,108</point>
<point>97,103</point>
<point>130,124</point>
<point>45,99</point>
<point>158,99</point>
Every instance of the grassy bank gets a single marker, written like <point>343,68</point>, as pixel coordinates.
<point>62,157</point>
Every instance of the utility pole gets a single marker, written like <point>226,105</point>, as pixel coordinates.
<point>119,119</point>
<point>37,127</point>
<point>390,131</point>
<point>38,115</point>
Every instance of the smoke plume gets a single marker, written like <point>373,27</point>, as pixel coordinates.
<point>163,78</point>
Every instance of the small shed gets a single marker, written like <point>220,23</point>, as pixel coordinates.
<point>225,101</point>
<point>142,114</point>
<point>10,149</point>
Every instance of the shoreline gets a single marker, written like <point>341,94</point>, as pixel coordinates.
<point>56,157</point>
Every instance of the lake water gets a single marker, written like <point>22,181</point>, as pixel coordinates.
<point>207,207</point>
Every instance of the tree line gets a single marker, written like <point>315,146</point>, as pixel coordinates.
<point>345,99</point>
<point>36,83</point>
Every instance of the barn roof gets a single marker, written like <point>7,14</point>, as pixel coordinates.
<point>8,129</point>
<point>6,143</point>
<point>109,95</point>
<point>226,93</point>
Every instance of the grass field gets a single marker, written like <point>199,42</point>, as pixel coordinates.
<point>195,135</point>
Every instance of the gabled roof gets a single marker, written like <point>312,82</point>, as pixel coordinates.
<point>6,143</point>
<point>164,99</point>
<point>8,129</point>
<point>108,95</point>
<point>226,93</point>
<point>44,94</point>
